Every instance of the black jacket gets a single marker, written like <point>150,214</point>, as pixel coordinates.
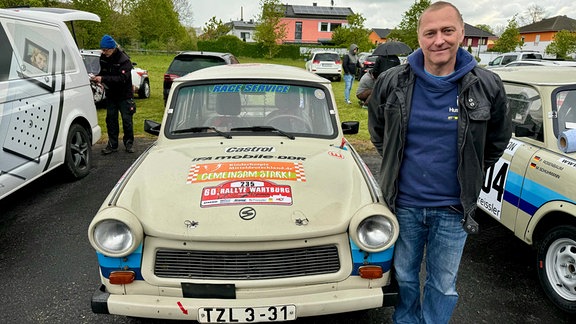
<point>116,73</point>
<point>484,129</point>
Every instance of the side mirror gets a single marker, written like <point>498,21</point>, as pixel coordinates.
<point>350,127</point>
<point>152,127</point>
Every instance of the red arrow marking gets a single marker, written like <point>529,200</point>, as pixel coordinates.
<point>182,308</point>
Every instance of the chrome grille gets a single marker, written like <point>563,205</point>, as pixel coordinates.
<point>247,265</point>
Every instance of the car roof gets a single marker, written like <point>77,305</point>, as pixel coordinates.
<point>59,14</point>
<point>254,71</point>
<point>204,53</point>
<point>91,52</point>
<point>542,62</point>
<point>325,52</point>
<point>538,75</point>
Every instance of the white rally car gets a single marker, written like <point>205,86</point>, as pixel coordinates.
<point>251,206</point>
<point>532,189</point>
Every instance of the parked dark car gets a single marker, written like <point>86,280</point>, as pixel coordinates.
<point>366,63</point>
<point>187,62</point>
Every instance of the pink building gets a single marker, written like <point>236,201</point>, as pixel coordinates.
<point>313,24</point>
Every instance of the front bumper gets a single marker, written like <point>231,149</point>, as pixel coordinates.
<point>180,308</point>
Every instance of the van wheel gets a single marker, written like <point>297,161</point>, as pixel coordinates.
<point>78,152</point>
<point>144,91</point>
<point>557,266</point>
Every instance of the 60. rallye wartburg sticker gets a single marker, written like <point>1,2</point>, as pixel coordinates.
<point>246,191</point>
<point>203,172</point>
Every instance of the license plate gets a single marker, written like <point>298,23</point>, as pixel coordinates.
<point>326,64</point>
<point>247,314</point>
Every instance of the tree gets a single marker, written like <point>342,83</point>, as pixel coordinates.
<point>214,29</point>
<point>89,33</point>
<point>31,3</point>
<point>485,28</point>
<point>270,32</point>
<point>564,42</point>
<point>407,31</point>
<point>510,38</point>
<point>184,10</point>
<point>354,33</point>
<point>159,26</point>
<point>534,13</point>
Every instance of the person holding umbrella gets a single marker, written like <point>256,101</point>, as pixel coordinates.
<point>438,122</point>
<point>349,64</point>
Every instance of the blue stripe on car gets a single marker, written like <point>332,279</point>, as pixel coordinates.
<point>132,262</point>
<point>362,258</point>
<point>534,195</point>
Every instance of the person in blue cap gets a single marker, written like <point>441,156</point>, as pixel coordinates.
<point>116,76</point>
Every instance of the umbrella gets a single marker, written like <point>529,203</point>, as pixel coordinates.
<point>392,48</point>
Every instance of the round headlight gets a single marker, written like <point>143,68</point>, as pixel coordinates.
<point>113,236</point>
<point>375,231</point>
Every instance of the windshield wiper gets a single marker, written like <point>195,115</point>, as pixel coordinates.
<point>264,129</point>
<point>202,129</point>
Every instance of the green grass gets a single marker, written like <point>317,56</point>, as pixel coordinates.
<point>153,107</point>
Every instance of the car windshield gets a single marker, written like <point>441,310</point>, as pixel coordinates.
<point>525,106</point>
<point>186,64</point>
<point>92,63</point>
<point>247,108</point>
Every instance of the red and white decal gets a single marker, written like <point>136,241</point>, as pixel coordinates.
<point>246,192</point>
<point>287,171</point>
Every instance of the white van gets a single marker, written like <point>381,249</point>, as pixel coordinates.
<point>47,114</point>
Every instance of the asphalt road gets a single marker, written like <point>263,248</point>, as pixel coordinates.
<point>49,270</point>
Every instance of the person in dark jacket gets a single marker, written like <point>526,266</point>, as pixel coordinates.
<point>116,76</point>
<point>438,122</point>
<point>349,64</point>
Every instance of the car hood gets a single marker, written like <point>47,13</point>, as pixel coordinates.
<point>220,192</point>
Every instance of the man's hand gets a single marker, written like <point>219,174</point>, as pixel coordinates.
<point>96,78</point>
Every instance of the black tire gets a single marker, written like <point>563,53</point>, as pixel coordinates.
<point>144,91</point>
<point>78,159</point>
<point>557,266</point>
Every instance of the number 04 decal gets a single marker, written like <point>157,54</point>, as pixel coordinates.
<point>492,193</point>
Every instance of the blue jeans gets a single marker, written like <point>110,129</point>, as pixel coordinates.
<point>439,230</point>
<point>348,79</point>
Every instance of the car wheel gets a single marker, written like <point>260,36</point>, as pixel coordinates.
<point>78,152</point>
<point>338,78</point>
<point>557,266</point>
<point>144,91</point>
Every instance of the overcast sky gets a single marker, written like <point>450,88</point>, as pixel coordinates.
<point>387,13</point>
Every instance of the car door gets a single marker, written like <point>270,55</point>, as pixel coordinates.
<point>30,109</point>
<point>506,193</point>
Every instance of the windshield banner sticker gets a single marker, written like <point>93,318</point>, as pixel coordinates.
<point>204,172</point>
<point>250,88</point>
<point>246,192</point>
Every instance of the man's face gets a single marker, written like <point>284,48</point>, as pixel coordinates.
<point>439,35</point>
<point>107,51</point>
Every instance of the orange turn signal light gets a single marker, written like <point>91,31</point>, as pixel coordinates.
<point>121,277</point>
<point>370,272</point>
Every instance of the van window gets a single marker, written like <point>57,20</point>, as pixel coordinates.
<point>37,49</point>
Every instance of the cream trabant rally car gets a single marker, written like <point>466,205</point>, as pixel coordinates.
<point>251,206</point>
<point>532,189</point>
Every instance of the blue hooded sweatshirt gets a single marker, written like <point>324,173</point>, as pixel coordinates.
<point>428,175</point>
